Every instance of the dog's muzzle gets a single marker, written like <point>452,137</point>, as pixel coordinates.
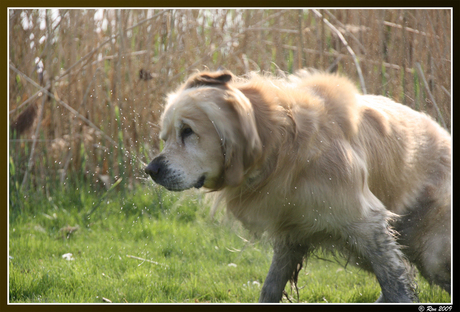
<point>159,171</point>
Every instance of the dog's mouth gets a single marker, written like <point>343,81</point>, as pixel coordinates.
<point>200,182</point>
<point>177,187</point>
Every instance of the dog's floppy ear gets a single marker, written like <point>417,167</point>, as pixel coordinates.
<point>244,147</point>
<point>233,117</point>
<point>209,79</point>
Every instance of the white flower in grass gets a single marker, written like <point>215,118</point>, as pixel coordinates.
<point>68,256</point>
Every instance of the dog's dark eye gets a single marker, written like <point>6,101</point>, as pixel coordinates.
<point>186,132</point>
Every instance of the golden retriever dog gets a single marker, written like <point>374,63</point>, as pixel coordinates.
<point>316,165</point>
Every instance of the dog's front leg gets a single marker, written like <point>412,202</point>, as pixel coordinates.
<point>286,262</point>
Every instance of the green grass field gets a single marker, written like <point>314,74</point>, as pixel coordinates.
<point>151,246</point>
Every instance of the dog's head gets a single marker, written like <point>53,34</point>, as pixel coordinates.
<point>210,135</point>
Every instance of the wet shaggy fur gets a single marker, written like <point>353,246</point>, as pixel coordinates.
<point>313,163</point>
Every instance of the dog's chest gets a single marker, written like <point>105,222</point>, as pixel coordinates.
<point>279,214</point>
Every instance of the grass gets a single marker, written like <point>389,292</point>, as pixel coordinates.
<point>151,246</point>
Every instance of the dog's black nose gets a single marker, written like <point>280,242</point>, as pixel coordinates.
<point>154,168</point>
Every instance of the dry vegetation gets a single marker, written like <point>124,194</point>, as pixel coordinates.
<point>107,72</point>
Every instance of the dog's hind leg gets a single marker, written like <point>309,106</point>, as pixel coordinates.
<point>286,262</point>
<point>372,238</point>
<point>425,233</point>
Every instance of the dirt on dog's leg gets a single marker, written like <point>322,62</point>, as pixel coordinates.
<point>285,264</point>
